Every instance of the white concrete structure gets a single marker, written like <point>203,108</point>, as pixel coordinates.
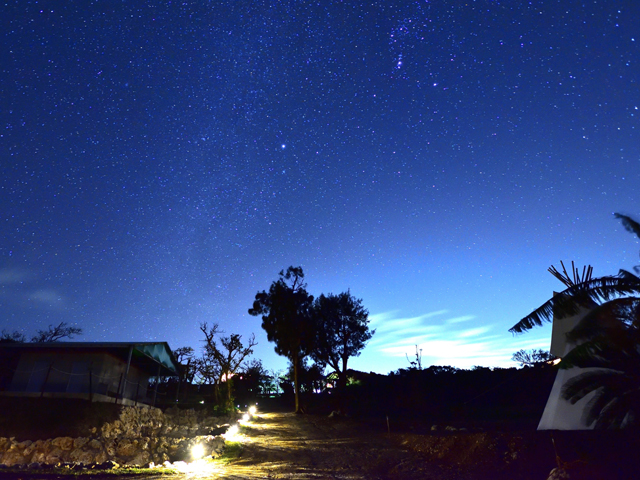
<point>559,414</point>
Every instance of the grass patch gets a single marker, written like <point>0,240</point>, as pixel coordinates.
<point>232,450</point>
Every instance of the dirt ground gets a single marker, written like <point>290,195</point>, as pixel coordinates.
<point>301,447</point>
<point>305,447</point>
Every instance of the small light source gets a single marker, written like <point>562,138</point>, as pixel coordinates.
<point>253,410</point>
<point>197,451</point>
<point>246,417</point>
<point>233,431</point>
<point>201,401</point>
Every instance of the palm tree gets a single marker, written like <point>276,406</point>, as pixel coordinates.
<point>607,340</point>
<point>583,291</point>
<point>608,345</point>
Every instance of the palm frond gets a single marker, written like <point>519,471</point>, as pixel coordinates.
<point>600,401</point>
<point>629,224</point>
<point>583,295</point>
<point>628,276</point>
<point>586,355</point>
<point>607,406</point>
<point>615,315</point>
<point>578,387</point>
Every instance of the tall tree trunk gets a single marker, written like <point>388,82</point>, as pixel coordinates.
<point>229,396</point>
<point>342,388</point>
<point>296,382</point>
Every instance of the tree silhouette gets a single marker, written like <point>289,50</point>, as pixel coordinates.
<point>342,325</point>
<point>608,340</point>
<point>53,334</point>
<point>285,311</point>
<point>56,333</point>
<point>532,357</point>
<point>223,356</point>
<point>12,337</point>
<point>187,367</point>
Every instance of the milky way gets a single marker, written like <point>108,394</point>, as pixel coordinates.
<point>162,163</point>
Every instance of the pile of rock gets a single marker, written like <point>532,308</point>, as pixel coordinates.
<point>139,436</point>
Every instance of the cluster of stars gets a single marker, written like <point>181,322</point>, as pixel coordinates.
<point>162,162</point>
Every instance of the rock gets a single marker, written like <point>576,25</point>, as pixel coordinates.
<point>39,457</point>
<point>135,437</point>
<point>64,443</point>
<point>110,448</point>
<point>11,459</point>
<point>81,456</point>
<point>141,458</point>
<point>5,443</point>
<point>101,457</point>
<point>559,474</point>
<point>95,444</point>
<point>24,444</point>
<point>127,448</point>
<point>55,456</point>
<point>217,446</point>
<point>32,447</point>
<point>80,442</point>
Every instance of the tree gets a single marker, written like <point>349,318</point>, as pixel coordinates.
<point>252,380</point>
<point>56,333</point>
<point>532,357</point>
<point>583,291</point>
<point>224,355</point>
<point>185,356</point>
<point>342,325</point>
<point>310,375</point>
<point>607,338</point>
<point>417,363</point>
<point>285,311</point>
<point>53,334</point>
<point>12,337</point>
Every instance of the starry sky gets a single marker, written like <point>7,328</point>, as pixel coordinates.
<point>161,162</point>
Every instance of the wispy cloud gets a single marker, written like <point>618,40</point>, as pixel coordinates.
<point>474,332</point>
<point>47,297</point>
<point>464,318</point>
<point>443,341</point>
<point>12,276</point>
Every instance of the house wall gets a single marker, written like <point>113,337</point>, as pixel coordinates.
<point>78,374</point>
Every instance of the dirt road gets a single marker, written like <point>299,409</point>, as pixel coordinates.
<point>290,446</point>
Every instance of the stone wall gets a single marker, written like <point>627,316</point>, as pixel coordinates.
<point>139,436</point>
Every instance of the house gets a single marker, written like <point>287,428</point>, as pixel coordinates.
<point>117,372</point>
<point>560,414</point>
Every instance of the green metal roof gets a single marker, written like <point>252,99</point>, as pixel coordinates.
<point>159,352</point>
<point>148,353</point>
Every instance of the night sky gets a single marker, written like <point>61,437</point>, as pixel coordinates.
<point>161,162</point>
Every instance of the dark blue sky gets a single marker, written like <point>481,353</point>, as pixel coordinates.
<point>162,163</point>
